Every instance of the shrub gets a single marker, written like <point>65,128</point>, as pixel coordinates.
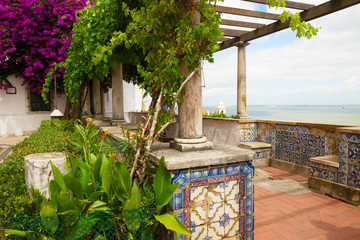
<point>51,137</point>
<point>218,115</point>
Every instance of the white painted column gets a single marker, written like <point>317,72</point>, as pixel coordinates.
<point>241,81</point>
<point>117,92</point>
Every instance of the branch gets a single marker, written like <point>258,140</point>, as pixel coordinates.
<point>153,124</point>
<point>181,87</point>
<point>135,164</point>
<point>174,103</point>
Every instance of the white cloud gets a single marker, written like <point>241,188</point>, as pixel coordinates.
<point>323,70</point>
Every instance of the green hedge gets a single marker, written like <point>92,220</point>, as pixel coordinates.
<point>51,137</point>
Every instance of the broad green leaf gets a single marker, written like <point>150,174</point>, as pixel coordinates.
<point>54,191</point>
<point>96,168</point>
<point>98,206</point>
<point>75,186</point>
<point>121,182</point>
<point>162,183</point>
<point>58,176</point>
<point>106,175</point>
<point>166,196</point>
<point>85,178</point>
<point>13,232</point>
<point>46,209</point>
<point>173,223</point>
<point>48,212</point>
<point>95,196</point>
<point>80,229</point>
<point>134,200</point>
<point>162,177</point>
<point>132,203</point>
<point>66,204</point>
<point>92,157</point>
<point>74,170</point>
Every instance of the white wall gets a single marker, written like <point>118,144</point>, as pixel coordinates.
<point>132,100</point>
<point>15,117</point>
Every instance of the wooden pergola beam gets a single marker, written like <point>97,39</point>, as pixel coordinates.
<point>232,32</point>
<point>246,13</point>
<point>241,23</point>
<point>223,39</point>
<point>307,15</point>
<point>289,4</point>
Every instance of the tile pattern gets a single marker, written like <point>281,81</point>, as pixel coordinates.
<point>216,202</point>
<point>266,133</point>
<point>262,153</point>
<point>324,172</point>
<point>349,171</point>
<point>293,143</point>
<point>247,132</point>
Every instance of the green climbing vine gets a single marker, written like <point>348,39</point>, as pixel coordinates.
<point>302,28</point>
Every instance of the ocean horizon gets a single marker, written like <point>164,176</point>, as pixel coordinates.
<point>327,114</point>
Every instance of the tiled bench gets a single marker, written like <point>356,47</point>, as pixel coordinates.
<point>325,167</point>
<point>262,152</point>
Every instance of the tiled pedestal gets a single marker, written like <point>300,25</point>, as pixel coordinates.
<point>215,201</point>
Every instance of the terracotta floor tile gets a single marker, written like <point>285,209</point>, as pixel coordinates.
<point>309,216</point>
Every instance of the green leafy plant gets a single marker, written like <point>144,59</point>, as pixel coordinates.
<point>108,186</point>
<point>51,137</point>
<point>218,115</point>
<point>302,28</point>
<point>97,183</point>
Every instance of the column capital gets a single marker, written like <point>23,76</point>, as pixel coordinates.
<point>241,44</point>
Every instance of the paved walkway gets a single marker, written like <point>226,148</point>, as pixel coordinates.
<point>287,210</point>
<point>6,143</point>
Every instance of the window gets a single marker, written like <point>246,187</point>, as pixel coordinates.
<point>38,104</point>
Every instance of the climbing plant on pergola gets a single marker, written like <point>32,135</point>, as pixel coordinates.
<point>168,36</point>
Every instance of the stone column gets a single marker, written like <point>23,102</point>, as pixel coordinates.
<point>102,103</point>
<point>190,109</point>
<point>241,81</point>
<point>117,93</point>
<point>97,98</point>
<point>86,107</point>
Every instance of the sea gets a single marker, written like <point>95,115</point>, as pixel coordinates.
<point>328,114</point>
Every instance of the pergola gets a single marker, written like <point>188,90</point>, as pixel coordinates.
<point>190,109</point>
<point>240,38</point>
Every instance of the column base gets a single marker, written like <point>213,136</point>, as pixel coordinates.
<point>117,122</point>
<point>189,145</point>
<point>242,116</point>
<point>98,116</point>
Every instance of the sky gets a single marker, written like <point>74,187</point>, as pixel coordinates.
<point>285,70</point>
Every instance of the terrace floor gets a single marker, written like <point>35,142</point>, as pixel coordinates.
<point>286,209</point>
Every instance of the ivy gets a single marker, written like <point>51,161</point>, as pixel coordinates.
<point>89,57</point>
<point>302,28</point>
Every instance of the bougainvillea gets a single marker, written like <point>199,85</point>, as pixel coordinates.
<point>34,34</point>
